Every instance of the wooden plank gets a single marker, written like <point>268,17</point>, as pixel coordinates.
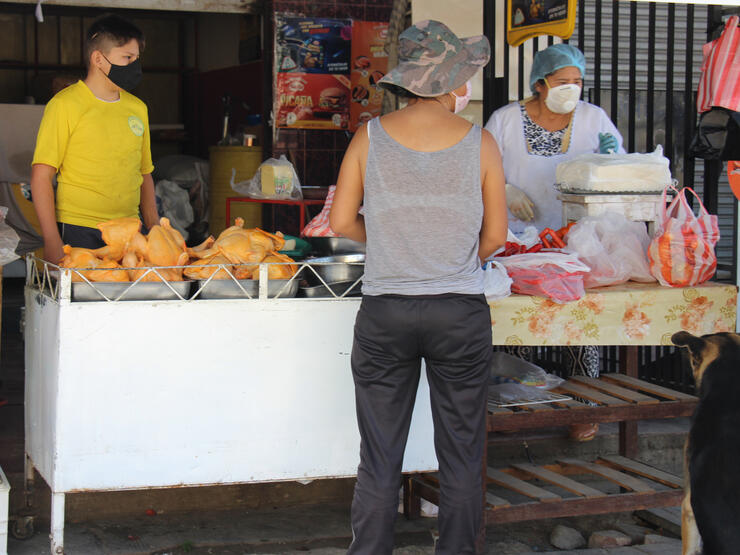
<point>579,506</point>
<point>572,404</point>
<point>615,390</point>
<point>559,480</point>
<point>584,392</point>
<point>499,411</point>
<point>634,383</point>
<point>667,518</point>
<point>524,420</point>
<point>495,501</point>
<point>624,480</point>
<point>539,407</point>
<point>520,486</point>
<point>644,470</point>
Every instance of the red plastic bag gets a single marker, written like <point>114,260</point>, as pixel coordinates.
<point>681,253</point>
<point>719,84</point>
<point>555,275</point>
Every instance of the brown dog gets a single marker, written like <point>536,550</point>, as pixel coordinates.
<point>710,512</point>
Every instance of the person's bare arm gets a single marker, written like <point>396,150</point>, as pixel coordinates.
<point>344,217</point>
<point>495,223</point>
<point>42,192</point>
<point>148,202</point>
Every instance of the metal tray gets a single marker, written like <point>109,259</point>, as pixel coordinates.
<point>573,191</point>
<point>338,287</point>
<point>325,246</point>
<point>228,289</point>
<point>333,269</point>
<point>142,291</point>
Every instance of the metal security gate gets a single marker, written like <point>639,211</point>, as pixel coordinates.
<point>643,68</point>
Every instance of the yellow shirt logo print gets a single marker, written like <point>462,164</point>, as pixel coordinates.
<point>136,125</point>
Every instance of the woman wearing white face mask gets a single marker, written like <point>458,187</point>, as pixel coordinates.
<point>538,133</point>
<point>534,136</point>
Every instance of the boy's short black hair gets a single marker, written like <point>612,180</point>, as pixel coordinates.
<point>110,31</point>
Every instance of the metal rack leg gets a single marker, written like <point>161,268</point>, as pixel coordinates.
<point>28,482</point>
<point>57,523</point>
<point>629,365</point>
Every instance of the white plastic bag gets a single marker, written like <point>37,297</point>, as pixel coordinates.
<point>8,240</point>
<point>614,247</point>
<point>615,172</point>
<point>286,183</point>
<point>496,282</point>
<point>175,205</point>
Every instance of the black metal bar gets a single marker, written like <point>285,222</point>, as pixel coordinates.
<point>633,79</point>
<point>551,40</point>
<point>669,84</point>
<point>268,51</point>
<point>690,113</point>
<point>489,73</point>
<point>650,120</point>
<point>507,52</point>
<point>597,57</point>
<point>615,62</point>
<point>582,25</point>
<point>520,68</point>
<point>59,39</point>
<point>734,239</point>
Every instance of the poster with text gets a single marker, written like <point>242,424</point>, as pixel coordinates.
<point>312,101</point>
<point>369,65</point>
<point>312,44</point>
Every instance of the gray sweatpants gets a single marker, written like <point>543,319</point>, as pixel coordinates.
<point>452,333</point>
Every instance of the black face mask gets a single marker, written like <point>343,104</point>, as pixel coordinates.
<point>127,77</point>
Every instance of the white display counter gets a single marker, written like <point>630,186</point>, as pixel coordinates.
<point>142,394</point>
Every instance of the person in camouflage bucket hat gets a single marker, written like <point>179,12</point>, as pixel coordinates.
<point>434,61</point>
<point>423,188</point>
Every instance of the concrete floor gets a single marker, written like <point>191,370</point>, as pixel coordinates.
<point>276,517</point>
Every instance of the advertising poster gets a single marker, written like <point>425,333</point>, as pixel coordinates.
<point>369,65</point>
<point>530,18</point>
<point>312,101</point>
<point>313,44</point>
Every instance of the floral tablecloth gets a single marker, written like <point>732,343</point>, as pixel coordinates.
<point>627,314</point>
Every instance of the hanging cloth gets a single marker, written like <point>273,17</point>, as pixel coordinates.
<point>719,85</point>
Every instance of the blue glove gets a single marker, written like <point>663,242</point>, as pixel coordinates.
<point>607,143</point>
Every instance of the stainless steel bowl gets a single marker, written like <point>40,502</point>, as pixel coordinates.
<point>348,288</point>
<point>328,246</point>
<point>343,267</point>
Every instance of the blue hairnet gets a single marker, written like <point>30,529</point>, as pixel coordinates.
<point>553,58</point>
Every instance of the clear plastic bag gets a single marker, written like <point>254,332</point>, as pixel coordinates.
<point>175,205</point>
<point>506,368</point>
<point>614,247</point>
<point>496,282</point>
<point>8,240</point>
<point>557,276</point>
<point>275,179</point>
<point>615,172</point>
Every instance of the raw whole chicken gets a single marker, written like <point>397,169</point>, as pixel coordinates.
<point>108,270</point>
<point>165,246</point>
<point>242,246</point>
<point>79,258</point>
<point>197,270</point>
<point>137,270</point>
<point>277,268</point>
<point>119,235</point>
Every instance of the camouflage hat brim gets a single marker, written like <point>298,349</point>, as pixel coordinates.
<point>435,76</point>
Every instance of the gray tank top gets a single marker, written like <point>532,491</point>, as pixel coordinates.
<point>423,215</point>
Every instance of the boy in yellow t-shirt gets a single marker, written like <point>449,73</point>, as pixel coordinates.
<point>94,137</point>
